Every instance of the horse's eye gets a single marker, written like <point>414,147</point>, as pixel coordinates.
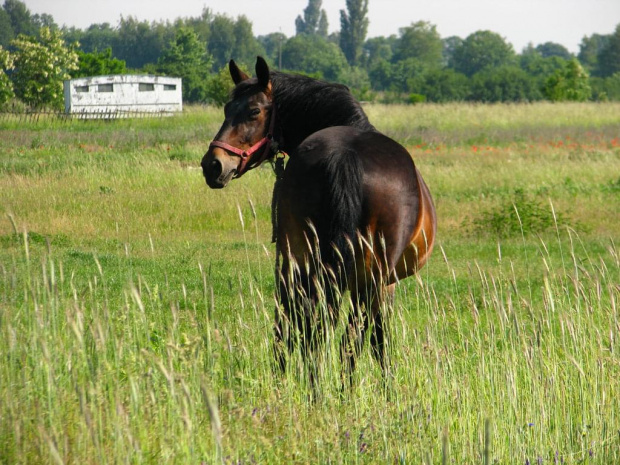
<point>254,112</point>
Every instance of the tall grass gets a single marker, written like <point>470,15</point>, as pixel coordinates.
<point>136,306</point>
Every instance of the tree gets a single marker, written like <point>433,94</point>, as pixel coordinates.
<point>311,54</point>
<point>20,17</point>
<point>187,58</point>
<point>569,83</point>
<point>98,64</point>
<point>609,56</point>
<point>450,44</point>
<point>552,49</point>
<point>314,20</point>
<point>140,43</point>
<point>6,88</point>
<point>480,50</point>
<point>353,29</point>
<point>502,84</point>
<point>606,88</point>
<point>246,48</point>
<point>589,49</point>
<point>378,49</point>
<point>356,79</point>
<point>6,29</point>
<point>539,67</point>
<point>96,38</point>
<point>219,86</point>
<point>222,41</point>
<point>444,85</point>
<point>380,74</point>
<point>273,43</point>
<point>201,25</point>
<point>323,28</point>
<point>44,20</point>
<point>41,66</point>
<point>420,41</point>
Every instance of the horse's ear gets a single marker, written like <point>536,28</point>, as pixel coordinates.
<point>235,73</point>
<point>262,73</point>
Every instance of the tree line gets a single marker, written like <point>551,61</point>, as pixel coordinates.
<point>415,65</point>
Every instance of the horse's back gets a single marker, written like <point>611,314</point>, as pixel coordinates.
<point>392,196</point>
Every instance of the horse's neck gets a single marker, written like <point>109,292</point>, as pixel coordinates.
<point>297,120</point>
<point>296,125</point>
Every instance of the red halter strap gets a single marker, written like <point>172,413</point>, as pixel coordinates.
<point>246,155</point>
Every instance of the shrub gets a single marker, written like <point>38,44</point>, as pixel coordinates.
<point>521,214</point>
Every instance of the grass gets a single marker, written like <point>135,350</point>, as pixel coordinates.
<point>136,307</point>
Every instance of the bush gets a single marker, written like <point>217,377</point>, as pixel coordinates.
<point>416,98</point>
<point>6,88</point>
<point>41,66</point>
<point>521,214</point>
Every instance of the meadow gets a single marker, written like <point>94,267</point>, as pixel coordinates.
<point>136,304</point>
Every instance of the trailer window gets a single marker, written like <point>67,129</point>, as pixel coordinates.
<point>105,88</point>
<point>81,88</point>
<point>146,87</point>
<point>170,87</point>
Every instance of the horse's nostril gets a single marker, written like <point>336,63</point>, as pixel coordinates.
<point>212,168</point>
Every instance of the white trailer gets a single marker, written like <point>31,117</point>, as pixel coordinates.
<point>123,95</point>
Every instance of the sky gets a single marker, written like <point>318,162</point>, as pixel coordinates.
<point>518,21</point>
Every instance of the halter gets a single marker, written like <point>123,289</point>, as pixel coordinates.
<point>246,155</point>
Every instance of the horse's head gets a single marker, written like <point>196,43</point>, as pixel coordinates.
<point>244,140</point>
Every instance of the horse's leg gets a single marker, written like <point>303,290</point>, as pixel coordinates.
<point>320,306</point>
<point>284,339</point>
<point>354,335</point>
<point>377,335</point>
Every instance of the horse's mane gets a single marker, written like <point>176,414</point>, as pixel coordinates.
<point>308,105</point>
<point>322,104</point>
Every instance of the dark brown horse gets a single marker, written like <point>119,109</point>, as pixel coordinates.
<point>353,212</point>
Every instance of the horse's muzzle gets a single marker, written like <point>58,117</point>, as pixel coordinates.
<point>215,174</point>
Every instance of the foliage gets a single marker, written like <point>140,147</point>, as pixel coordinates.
<point>420,41</point>
<point>553,49</point>
<point>356,78</point>
<point>272,44</point>
<point>185,57</point>
<point>95,38</point>
<point>21,20</point>
<point>521,214</point>
<point>312,54</point>
<point>417,60</point>
<point>378,49</point>
<point>502,84</point>
<point>444,85</point>
<point>219,87</point>
<point>450,44</point>
<point>405,75</point>
<point>139,43</point>
<point>6,30</point>
<point>41,66</point>
<point>480,50</point>
<point>98,64</point>
<point>6,87</point>
<point>604,89</point>
<point>353,29</point>
<point>609,56</point>
<point>246,47</point>
<point>589,50</point>
<point>569,83</point>
<point>314,20</point>
<point>230,38</point>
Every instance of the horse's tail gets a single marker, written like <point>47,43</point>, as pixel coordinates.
<point>344,197</point>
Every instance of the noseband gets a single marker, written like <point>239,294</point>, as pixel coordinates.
<point>246,155</point>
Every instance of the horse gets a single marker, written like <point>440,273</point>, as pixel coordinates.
<point>351,210</point>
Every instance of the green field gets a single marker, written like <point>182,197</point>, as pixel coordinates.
<point>136,304</point>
